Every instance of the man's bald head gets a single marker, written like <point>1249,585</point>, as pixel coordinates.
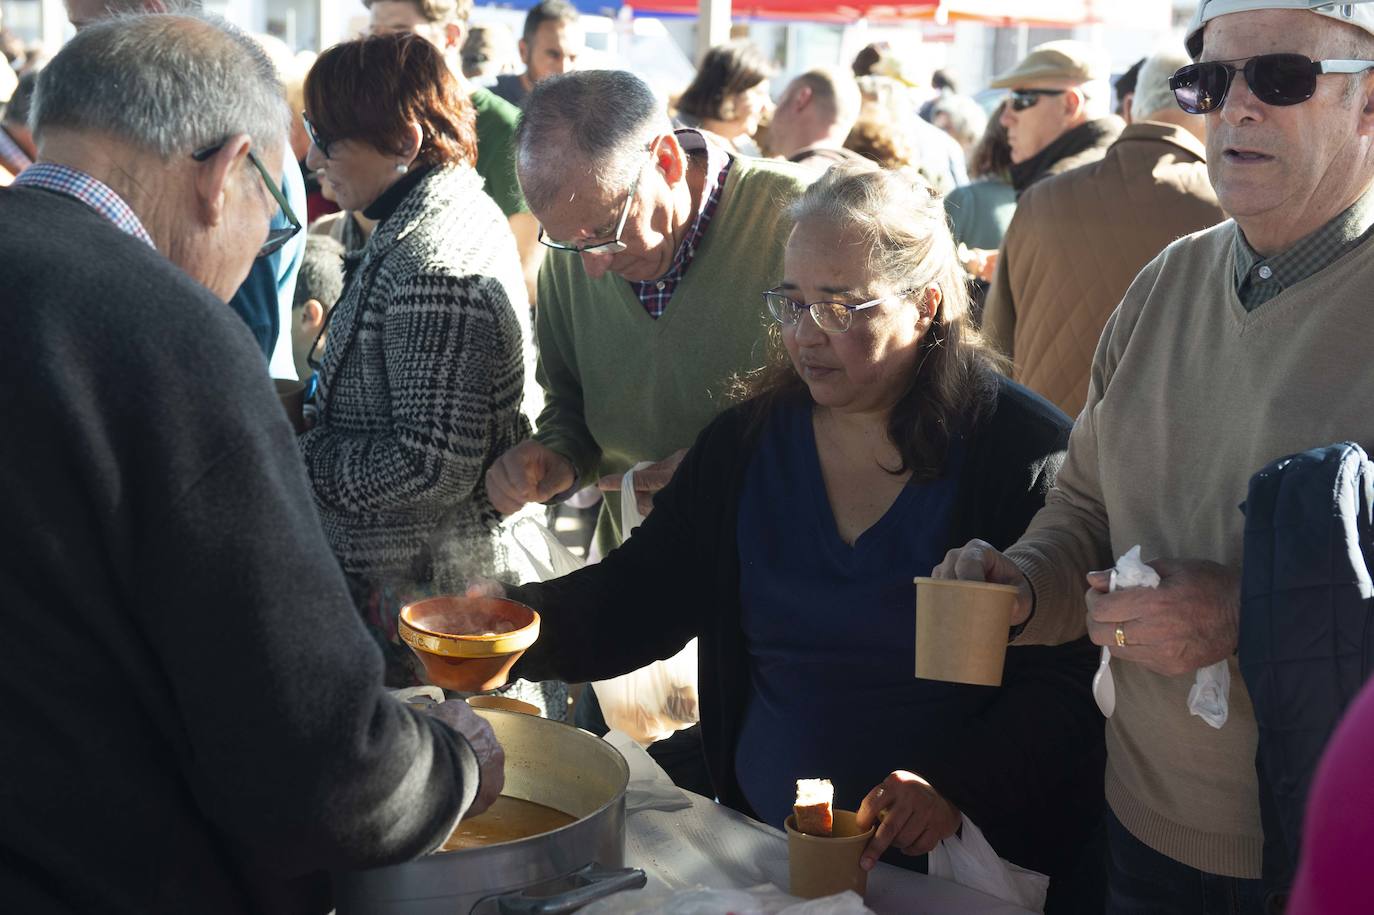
<point>818,107</point>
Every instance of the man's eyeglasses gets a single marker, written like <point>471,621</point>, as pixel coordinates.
<point>831,317</point>
<point>1275,79</point>
<point>1021,99</point>
<point>322,143</point>
<point>275,237</point>
<point>615,245</point>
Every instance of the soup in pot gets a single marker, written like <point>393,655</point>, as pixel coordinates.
<point>506,820</point>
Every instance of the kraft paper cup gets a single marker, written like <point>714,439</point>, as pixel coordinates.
<point>820,866</point>
<point>292,396</point>
<point>961,630</point>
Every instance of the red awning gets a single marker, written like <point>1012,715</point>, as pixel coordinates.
<point>1139,13</point>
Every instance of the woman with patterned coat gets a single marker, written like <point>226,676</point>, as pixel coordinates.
<point>423,369</point>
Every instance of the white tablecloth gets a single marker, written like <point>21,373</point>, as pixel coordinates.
<point>706,844</point>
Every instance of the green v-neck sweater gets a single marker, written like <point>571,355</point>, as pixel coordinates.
<point>621,386</point>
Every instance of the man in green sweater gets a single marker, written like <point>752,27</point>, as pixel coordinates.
<point>650,303</point>
<point>1236,346</point>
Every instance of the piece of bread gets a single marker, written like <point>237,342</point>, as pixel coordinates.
<point>814,807</point>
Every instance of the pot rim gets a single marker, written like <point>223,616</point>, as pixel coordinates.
<point>615,757</point>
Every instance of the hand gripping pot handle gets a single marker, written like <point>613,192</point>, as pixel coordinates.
<point>599,884</point>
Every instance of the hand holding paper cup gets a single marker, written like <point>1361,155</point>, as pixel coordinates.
<point>961,630</point>
<point>823,866</point>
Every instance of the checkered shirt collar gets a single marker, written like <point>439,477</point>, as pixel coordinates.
<point>94,193</point>
<point>1259,279</point>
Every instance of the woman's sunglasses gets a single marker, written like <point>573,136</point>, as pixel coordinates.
<point>1275,79</point>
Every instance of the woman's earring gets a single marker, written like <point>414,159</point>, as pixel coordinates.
<point>402,168</point>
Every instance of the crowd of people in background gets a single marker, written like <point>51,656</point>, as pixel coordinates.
<point>844,331</point>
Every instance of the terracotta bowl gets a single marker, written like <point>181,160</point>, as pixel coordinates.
<point>468,643</point>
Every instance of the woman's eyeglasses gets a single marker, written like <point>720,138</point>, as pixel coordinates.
<point>275,237</point>
<point>322,143</point>
<point>831,317</point>
<point>1275,79</point>
<point>1021,99</point>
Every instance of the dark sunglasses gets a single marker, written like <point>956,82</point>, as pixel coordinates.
<point>275,237</point>
<point>322,143</point>
<point>1275,79</point>
<point>1021,99</point>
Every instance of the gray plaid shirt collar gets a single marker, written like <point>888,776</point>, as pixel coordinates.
<point>1259,279</point>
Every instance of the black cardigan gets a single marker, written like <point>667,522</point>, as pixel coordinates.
<point>1029,772</point>
<point>194,713</point>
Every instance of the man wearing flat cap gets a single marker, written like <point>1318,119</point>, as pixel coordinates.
<point>1057,113</point>
<point>1236,346</point>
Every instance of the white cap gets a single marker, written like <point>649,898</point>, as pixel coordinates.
<point>1360,14</point>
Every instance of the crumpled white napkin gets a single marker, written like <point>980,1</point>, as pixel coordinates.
<point>650,788</point>
<point>1209,699</point>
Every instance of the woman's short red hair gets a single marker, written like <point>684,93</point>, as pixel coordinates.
<point>371,89</point>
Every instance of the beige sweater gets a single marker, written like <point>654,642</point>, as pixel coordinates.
<point>1189,396</point>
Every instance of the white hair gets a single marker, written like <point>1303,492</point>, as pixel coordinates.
<point>170,84</point>
<point>1152,92</point>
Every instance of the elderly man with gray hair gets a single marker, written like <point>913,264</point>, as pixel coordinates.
<point>199,723</point>
<point>265,298</point>
<point>1150,189</point>
<point>651,301</point>
<point>1235,347</point>
<point>813,118</point>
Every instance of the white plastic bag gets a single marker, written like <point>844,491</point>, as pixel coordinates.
<point>554,560</point>
<point>653,702</point>
<point>967,859</point>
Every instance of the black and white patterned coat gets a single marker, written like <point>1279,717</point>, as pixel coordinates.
<point>421,386</point>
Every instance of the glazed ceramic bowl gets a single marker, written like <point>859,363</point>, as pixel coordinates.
<point>468,643</point>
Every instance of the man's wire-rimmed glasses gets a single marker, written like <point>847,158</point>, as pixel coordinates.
<point>614,245</point>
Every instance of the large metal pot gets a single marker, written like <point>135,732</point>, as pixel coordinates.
<point>549,763</point>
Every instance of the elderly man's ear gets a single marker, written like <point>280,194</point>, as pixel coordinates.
<point>212,177</point>
<point>1367,109</point>
<point>670,159</point>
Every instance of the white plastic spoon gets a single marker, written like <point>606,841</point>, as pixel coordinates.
<point>1104,687</point>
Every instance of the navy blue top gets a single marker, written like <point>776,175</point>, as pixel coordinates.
<point>831,628</point>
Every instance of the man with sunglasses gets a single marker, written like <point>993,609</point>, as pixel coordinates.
<point>1235,347</point>
<point>204,726</point>
<point>1057,114</point>
<point>1045,311</point>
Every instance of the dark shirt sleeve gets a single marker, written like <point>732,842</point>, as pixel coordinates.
<point>289,742</point>
<point>645,600</point>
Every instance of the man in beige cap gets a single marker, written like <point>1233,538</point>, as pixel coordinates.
<point>1151,188</point>
<point>1057,116</point>
<point>1234,347</point>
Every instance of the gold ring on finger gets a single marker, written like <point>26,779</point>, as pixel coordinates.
<point>1120,637</point>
